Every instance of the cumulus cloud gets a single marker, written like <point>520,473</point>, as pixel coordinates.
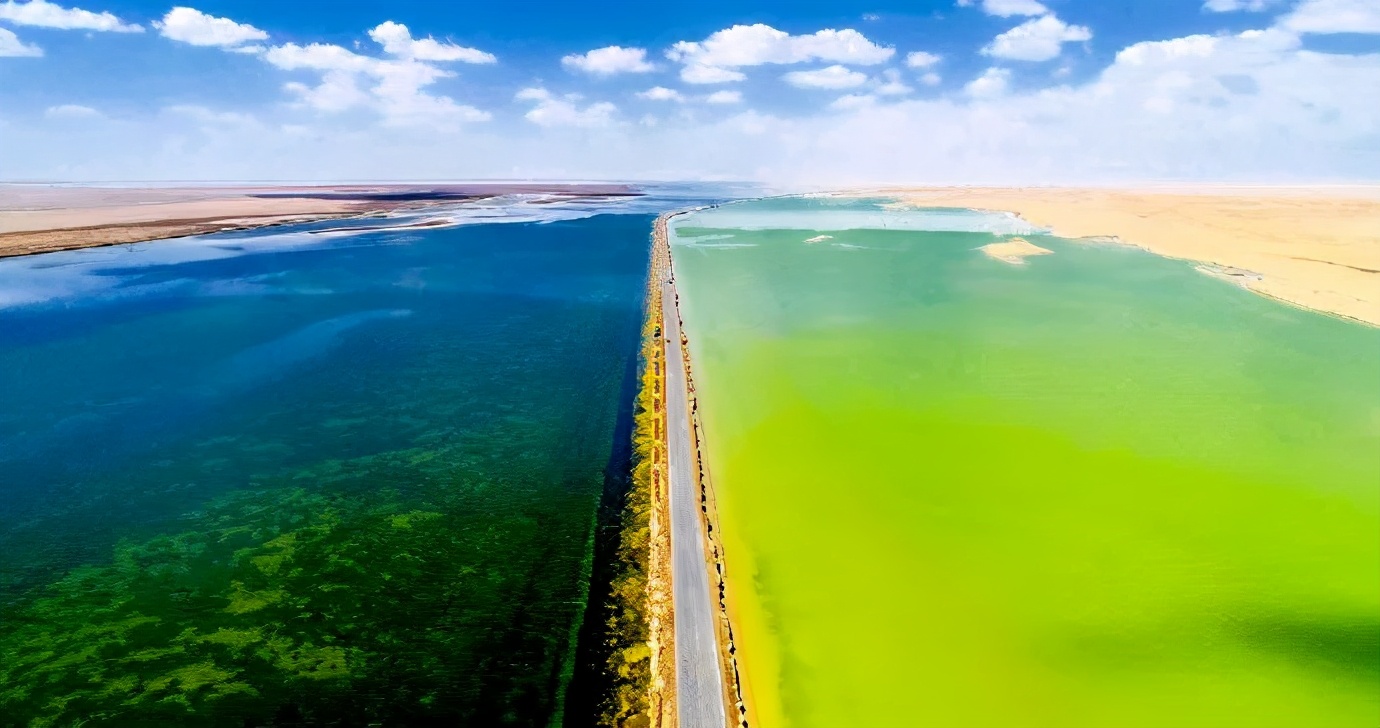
<point>921,59</point>
<point>71,111</point>
<point>43,14</point>
<point>891,84</point>
<point>712,59</point>
<point>724,97</point>
<point>660,93</point>
<point>833,77</point>
<point>1232,6</point>
<point>992,82</point>
<point>12,47</point>
<point>189,25</point>
<point>853,101</point>
<point>931,79</point>
<point>1007,8</point>
<point>698,74</point>
<point>1334,16</point>
<point>397,40</point>
<point>609,61</point>
<point>550,110</point>
<point>1254,107</point>
<point>394,87</point>
<point>1036,40</point>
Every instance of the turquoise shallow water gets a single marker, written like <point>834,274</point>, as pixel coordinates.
<point>288,479</point>
<point>1098,489</point>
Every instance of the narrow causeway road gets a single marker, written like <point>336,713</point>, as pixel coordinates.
<point>699,682</point>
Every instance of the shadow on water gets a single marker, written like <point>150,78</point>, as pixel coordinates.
<point>1349,646</point>
<point>591,686</point>
<point>1346,646</point>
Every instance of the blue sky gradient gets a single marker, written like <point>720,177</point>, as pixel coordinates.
<point>805,92</point>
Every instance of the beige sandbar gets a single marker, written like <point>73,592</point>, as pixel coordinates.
<point>1013,251</point>
<point>1316,247</point>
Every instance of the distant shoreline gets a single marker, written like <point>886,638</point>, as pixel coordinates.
<point>1314,247</point>
<point>36,219</point>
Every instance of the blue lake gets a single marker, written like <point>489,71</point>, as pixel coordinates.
<point>294,478</point>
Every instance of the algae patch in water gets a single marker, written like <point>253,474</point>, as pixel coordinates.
<point>282,605</point>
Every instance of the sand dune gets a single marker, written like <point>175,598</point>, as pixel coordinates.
<point>1316,247</point>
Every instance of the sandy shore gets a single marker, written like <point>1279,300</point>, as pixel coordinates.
<point>47,218</point>
<point>1315,247</point>
<point>40,219</point>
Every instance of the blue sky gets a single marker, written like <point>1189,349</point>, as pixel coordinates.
<point>804,92</point>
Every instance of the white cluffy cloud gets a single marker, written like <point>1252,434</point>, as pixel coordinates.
<point>391,86</point>
<point>1036,40</point>
<point>661,93</point>
<point>1007,8</point>
<point>551,110</point>
<point>609,61</point>
<point>43,14</point>
<point>714,59</point>
<point>398,41</point>
<point>724,97</point>
<point>710,74</point>
<point>1255,107</point>
<point>992,82</point>
<point>921,59</point>
<point>71,111</point>
<point>892,85</point>
<point>1232,6</point>
<point>192,26</point>
<point>834,77</point>
<point>1334,16</point>
<point>853,101</point>
<point>12,47</point>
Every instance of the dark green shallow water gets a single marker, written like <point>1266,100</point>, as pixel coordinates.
<point>351,482</point>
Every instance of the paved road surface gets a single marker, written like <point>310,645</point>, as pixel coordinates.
<point>699,684</point>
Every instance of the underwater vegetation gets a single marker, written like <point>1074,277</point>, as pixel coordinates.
<point>390,521</point>
<point>284,606</point>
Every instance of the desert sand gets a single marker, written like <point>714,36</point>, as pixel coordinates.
<point>1316,247</point>
<point>41,219</point>
<point>1013,251</point>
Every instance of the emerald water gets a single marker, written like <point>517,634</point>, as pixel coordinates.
<point>290,478</point>
<point>1097,489</point>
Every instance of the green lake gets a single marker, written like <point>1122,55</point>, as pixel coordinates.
<point>1097,489</point>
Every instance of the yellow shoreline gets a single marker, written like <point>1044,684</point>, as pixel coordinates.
<point>1316,247</point>
<point>661,697</point>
